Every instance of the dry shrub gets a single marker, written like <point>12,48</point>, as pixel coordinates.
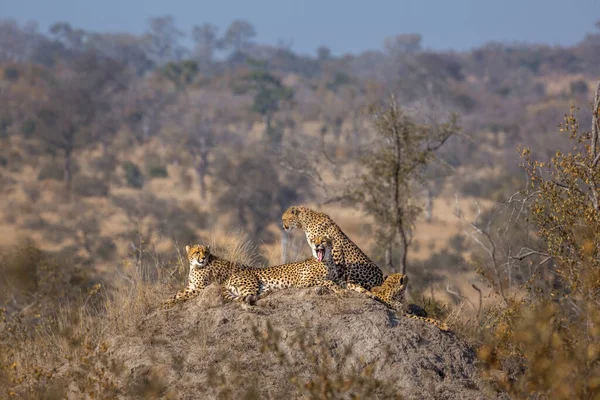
<point>546,344</point>
<point>90,186</point>
<point>32,190</point>
<point>31,276</point>
<point>49,317</point>
<point>539,350</point>
<point>61,348</point>
<point>47,352</point>
<point>134,296</point>
<point>18,267</point>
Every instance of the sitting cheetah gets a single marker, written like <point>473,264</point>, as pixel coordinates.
<point>249,285</point>
<point>205,268</point>
<point>391,293</point>
<point>353,265</point>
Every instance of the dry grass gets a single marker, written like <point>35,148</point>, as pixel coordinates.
<point>236,247</point>
<point>58,342</point>
<point>66,348</point>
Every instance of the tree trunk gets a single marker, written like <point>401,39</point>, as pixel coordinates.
<point>107,170</point>
<point>428,204</point>
<point>201,171</point>
<point>68,171</point>
<point>284,245</point>
<point>404,247</point>
<point>355,137</point>
<point>202,164</point>
<point>242,216</point>
<point>398,210</point>
<point>268,118</point>
<point>388,256</point>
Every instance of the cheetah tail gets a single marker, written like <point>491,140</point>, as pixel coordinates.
<point>441,325</point>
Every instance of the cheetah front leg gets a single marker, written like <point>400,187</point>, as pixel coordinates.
<point>181,296</point>
<point>191,291</point>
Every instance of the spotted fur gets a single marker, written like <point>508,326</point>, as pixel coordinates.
<point>353,264</point>
<point>319,270</point>
<point>205,268</point>
<point>392,294</point>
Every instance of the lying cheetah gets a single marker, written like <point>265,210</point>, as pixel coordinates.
<point>391,293</point>
<point>250,285</point>
<point>353,265</point>
<point>205,268</point>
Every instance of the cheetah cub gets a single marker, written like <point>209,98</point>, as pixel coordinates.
<point>392,294</point>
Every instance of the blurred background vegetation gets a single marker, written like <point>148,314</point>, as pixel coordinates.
<point>116,150</point>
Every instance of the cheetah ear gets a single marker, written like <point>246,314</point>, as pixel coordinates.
<point>295,210</point>
<point>187,248</point>
<point>207,247</point>
<point>404,280</point>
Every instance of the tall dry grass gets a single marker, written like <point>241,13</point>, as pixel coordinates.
<point>61,347</point>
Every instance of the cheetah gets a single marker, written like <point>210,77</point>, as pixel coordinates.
<point>353,264</point>
<point>205,268</point>
<point>392,293</point>
<point>249,285</point>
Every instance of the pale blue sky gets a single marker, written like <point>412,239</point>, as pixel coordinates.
<point>343,25</point>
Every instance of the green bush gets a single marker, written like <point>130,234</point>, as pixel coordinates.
<point>133,175</point>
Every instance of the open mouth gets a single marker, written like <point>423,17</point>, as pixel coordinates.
<point>320,254</point>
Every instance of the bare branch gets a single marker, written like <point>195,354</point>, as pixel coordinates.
<point>526,252</point>
<point>454,293</point>
<point>596,125</point>
<point>480,300</point>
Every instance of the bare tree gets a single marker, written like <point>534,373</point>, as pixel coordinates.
<point>163,40</point>
<point>238,36</point>
<point>205,39</point>
<point>17,43</point>
<point>199,140</point>
<point>77,107</point>
<point>71,38</point>
<point>385,187</point>
<point>399,45</point>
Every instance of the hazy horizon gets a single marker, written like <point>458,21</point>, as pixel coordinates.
<point>345,27</point>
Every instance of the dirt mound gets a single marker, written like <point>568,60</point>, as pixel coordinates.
<point>294,343</point>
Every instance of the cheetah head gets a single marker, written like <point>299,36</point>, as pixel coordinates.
<point>321,248</point>
<point>291,218</point>
<point>396,283</point>
<point>198,255</point>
